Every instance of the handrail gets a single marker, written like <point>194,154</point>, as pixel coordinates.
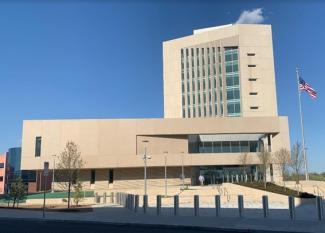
<point>298,188</point>
<point>318,191</point>
<point>226,193</point>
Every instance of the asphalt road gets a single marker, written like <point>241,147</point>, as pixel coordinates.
<point>32,226</point>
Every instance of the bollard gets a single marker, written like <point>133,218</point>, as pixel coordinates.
<point>104,198</point>
<point>265,202</point>
<point>240,205</point>
<point>196,205</point>
<point>145,203</point>
<point>95,198</point>
<point>292,207</point>
<point>132,202</point>
<point>125,200</point>
<point>218,206</point>
<point>128,201</point>
<point>136,203</point>
<point>176,205</point>
<point>319,208</point>
<point>158,204</point>
<point>112,197</point>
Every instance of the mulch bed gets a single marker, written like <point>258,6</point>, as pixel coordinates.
<point>270,187</point>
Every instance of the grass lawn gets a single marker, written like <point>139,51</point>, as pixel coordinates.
<point>49,195</point>
<point>58,195</point>
<point>270,187</point>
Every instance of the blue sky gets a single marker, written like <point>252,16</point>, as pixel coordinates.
<point>103,59</point>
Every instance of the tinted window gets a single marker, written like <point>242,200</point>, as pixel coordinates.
<point>38,146</point>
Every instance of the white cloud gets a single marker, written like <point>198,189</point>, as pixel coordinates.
<point>251,16</point>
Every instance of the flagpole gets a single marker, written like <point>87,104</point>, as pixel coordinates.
<point>302,128</point>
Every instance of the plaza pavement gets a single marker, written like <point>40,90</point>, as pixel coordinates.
<point>278,220</point>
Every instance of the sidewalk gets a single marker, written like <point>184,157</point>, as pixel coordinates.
<point>117,214</point>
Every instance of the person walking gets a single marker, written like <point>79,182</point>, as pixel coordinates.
<point>201,179</point>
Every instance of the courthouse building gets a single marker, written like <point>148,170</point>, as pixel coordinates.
<point>219,103</point>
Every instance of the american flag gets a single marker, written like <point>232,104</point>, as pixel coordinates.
<point>303,86</point>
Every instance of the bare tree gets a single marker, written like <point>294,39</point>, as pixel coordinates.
<point>17,191</point>
<point>296,160</point>
<point>265,161</point>
<point>68,167</point>
<point>244,161</point>
<point>282,159</point>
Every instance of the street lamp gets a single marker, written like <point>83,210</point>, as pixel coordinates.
<point>166,153</point>
<point>145,157</point>
<point>53,173</point>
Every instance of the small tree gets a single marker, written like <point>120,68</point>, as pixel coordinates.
<point>265,161</point>
<point>17,191</point>
<point>282,159</point>
<point>244,161</point>
<point>68,167</point>
<point>296,161</point>
<point>77,195</point>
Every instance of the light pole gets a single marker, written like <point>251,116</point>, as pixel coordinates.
<point>53,173</point>
<point>145,157</point>
<point>166,153</point>
<point>183,177</point>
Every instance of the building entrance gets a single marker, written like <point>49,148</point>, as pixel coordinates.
<point>228,174</point>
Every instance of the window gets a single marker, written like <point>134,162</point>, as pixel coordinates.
<point>1,178</point>
<point>110,176</point>
<point>250,54</point>
<point>253,93</point>
<point>251,65</point>
<point>224,147</point>
<point>92,176</point>
<point>254,107</point>
<point>38,146</point>
<point>252,79</point>
<point>2,165</point>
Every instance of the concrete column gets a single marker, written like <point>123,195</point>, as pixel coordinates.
<point>319,208</point>
<point>176,205</point>
<point>269,142</point>
<point>217,204</point>
<point>265,201</point>
<point>240,205</point>
<point>196,205</point>
<point>292,207</point>
<point>136,203</point>
<point>145,203</point>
